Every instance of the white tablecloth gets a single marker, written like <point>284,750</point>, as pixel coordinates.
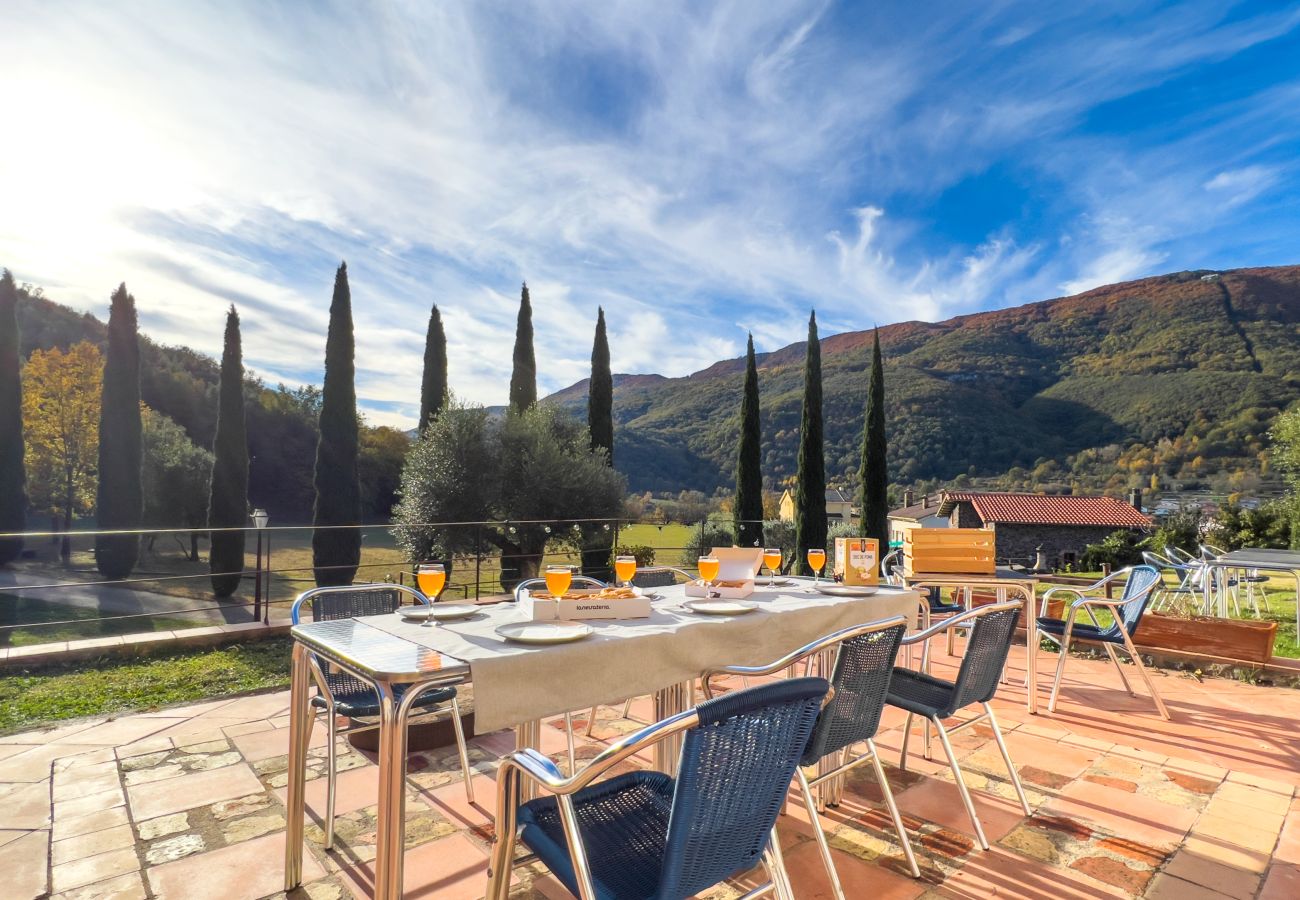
<point>514,683</point>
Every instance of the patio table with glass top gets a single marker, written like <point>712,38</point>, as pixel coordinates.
<point>1001,582</point>
<point>519,685</point>
<point>1281,562</point>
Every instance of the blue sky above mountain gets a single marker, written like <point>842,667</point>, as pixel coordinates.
<point>698,169</point>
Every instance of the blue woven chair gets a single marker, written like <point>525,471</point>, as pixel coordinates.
<point>992,628</point>
<point>646,835</point>
<point>860,676</point>
<point>1140,585</point>
<point>340,693</point>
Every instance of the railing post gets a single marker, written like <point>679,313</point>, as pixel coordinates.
<point>478,558</point>
<point>1105,573</point>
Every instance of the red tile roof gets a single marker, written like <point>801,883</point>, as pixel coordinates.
<point>1047,509</point>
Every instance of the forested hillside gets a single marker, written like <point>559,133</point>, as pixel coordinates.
<point>1176,377</point>
<point>181,384</point>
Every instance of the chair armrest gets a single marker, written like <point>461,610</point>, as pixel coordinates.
<point>1047,596</point>
<point>822,643</point>
<point>956,621</point>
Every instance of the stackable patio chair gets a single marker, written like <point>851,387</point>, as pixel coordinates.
<point>1186,596</point>
<point>992,628</point>
<point>1126,615</point>
<point>650,835</point>
<point>340,693</point>
<point>1239,582</point>
<point>864,663</point>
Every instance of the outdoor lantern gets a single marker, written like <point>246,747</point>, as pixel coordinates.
<point>260,518</point>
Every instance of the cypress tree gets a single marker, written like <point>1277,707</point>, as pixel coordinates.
<point>810,485</point>
<point>433,387</point>
<point>600,392</point>
<point>749,460</point>
<point>13,478</point>
<point>523,380</point>
<point>228,497</point>
<point>336,552</point>
<point>119,501</point>
<point>874,474</point>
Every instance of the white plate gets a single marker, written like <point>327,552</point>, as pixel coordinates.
<point>780,582</point>
<point>544,632</point>
<point>720,607</point>
<point>439,612</point>
<point>845,590</point>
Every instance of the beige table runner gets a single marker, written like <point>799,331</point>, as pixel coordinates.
<point>515,683</point>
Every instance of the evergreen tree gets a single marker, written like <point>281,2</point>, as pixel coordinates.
<point>874,474</point>
<point>597,540</point>
<point>523,380</point>
<point>336,552</point>
<point>749,460</point>
<point>13,479</point>
<point>119,501</point>
<point>600,392</point>
<point>433,387</point>
<point>810,484</point>
<point>228,495</point>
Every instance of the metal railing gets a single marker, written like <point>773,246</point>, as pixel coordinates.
<point>54,591</point>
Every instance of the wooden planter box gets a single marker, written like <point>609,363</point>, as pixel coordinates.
<point>1242,639</point>
<point>945,551</point>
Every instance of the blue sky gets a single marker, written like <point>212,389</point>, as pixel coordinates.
<point>699,169</point>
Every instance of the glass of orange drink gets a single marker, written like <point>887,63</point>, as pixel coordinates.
<point>558,579</point>
<point>817,560</point>
<point>708,566</point>
<point>772,559</point>
<point>431,578</point>
<point>625,569</point>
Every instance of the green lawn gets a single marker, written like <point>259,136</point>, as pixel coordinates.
<point>110,686</point>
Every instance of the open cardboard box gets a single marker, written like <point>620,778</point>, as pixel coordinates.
<point>587,605</point>
<point>737,568</point>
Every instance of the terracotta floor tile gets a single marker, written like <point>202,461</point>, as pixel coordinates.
<point>90,869</point>
<point>1001,873</point>
<point>810,882</point>
<point>121,731</point>
<point>88,803</point>
<point>1123,814</point>
<point>24,862</point>
<point>27,807</point>
<point>452,868</point>
<point>35,763</point>
<point>242,871</point>
<point>265,744</point>
<point>1166,887</point>
<point>449,801</point>
<point>124,887</point>
<point>356,789</point>
<point>1229,881</point>
<point>160,798</point>
<point>92,844</point>
<point>939,802</point>
<point>71,826</point>
<point>1282,883</point>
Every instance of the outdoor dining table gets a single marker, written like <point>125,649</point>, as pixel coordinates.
<point>1001,582</point>
<point>1282,562</point>
<point>519,685</point>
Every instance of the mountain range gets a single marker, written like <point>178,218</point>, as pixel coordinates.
<point>1173,379</point>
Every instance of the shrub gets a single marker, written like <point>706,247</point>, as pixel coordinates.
<point>705,539</point>
<point>1117,549</point>
<point>645,556</point>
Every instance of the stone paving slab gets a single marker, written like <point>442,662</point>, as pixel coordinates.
<point>188,803</point>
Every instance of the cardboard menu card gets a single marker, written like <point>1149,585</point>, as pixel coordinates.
<point>857,561</point>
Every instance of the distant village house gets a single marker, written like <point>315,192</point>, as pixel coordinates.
<point>839,508</point>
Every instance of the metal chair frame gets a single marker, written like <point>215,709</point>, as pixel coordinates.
<point>331,719</point>
<point>531,764</point>
<point>1087,604</point>
<point>834,641</point>
<point>1189,577</point>
<point>923,638</point>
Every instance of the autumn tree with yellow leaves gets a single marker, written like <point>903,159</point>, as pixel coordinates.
<point>61,391</point>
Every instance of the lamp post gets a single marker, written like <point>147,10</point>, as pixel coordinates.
<point>260,519</point>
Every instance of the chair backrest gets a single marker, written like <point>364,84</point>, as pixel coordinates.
<point>863,666</point>
<point>352,601</point>
<point>732,780</point>
<point>1138,591</point>
<point>986,654</point>
<point>654,576</point>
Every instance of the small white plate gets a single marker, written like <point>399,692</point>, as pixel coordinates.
<point>447,612</point>
<point>845,590</point>
<point>780,582</point>
<point>544,632</point>
<point>720,607</point>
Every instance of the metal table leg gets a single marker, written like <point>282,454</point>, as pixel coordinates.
<point>670,701</point>
<point>1031,650</point>
<point>388,833</point>
<point>528,734</point>
<point>300,725</point>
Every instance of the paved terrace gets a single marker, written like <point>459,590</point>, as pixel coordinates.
<point>188,803</point>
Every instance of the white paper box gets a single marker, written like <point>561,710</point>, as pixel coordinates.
<point>734,564</point>
<point>546,609</point>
